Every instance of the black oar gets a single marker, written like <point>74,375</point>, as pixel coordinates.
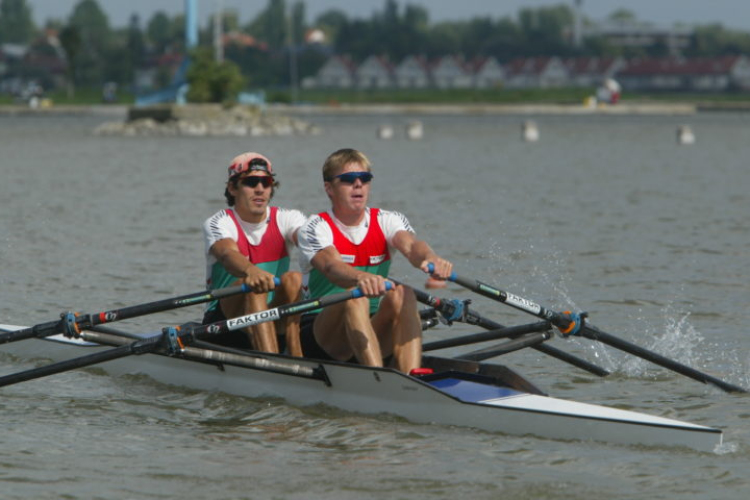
<point>459,311</point>
<point>173,341</point>
<point>72,324</point>
<point>578,326</point>
<point>528,340</point>
<point>500,333</point>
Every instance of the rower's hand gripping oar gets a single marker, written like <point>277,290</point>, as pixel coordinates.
<point>270,314</point>
<point>71,324</point>
<point>172,341</point>
<point>575,324</point>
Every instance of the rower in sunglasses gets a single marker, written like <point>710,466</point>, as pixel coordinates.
<point>348,246</point>
<point>250,242</point>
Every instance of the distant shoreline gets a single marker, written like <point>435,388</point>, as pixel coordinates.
<point>624,108</point>
<point>490,109</point>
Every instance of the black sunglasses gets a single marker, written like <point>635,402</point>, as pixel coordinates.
<point>253,180</point>
<point>351,177</point>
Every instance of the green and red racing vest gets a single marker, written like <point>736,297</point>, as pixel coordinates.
<point>371,255</point>
<point>270,254</point>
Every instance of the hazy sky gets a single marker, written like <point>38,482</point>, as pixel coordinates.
<point>730,13</point>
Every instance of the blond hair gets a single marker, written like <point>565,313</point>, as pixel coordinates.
<point>337,160</point>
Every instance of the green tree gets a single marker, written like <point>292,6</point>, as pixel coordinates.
<point>91,21</point>
<point>95,35</point>
<point>16,22</point>
<point>159,31</point>
<point>270,25</point>
<point>211,81</point>
<point>715,40</point>
<point>331,22</point>
<point>544,30</point>
<point>70,40</point>
<point>135,42</point>
<point>126,53</point>
<point>298,25</point>
<point>623,16</point>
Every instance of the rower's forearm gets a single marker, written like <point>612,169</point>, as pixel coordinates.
<point>342,275</point>
<point>236,265</point>
<point>419,252</point>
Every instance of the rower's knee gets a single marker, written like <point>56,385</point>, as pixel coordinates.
<point>291,279</point>
<point>360,305</point>
<point>291,283</point>
<point>255,302</point>
<point>400,297</point>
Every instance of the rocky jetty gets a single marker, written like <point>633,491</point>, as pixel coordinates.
<point>205,120</point>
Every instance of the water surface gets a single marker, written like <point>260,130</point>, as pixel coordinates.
<point>604,214</point>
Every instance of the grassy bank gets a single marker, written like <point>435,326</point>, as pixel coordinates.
<point>429,96</point>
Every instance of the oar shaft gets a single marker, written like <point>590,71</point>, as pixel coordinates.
<point>90,320</point>
<point>528,340</point>
<point>257,363</point>
<point>475,319</point>
<point>172,342</point>
<point>593,333</point>
<point>70,364</point>
<point>40,330</point>
<point>590,331</point>
<point>511,300</point>
<point>508,332</point>
<point>274,314</point>
<point>167,304</point>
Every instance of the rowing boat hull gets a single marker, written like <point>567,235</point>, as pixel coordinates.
<point>460,393</point>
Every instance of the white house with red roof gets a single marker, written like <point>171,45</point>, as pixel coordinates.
<point>592,71</point>
<point>488,73</point>
<point>452,72</point>
<point>696,74</point>
<point>376,72</point>
<point>337,72</point>
<point>537,72</point>
<point>413,73</point>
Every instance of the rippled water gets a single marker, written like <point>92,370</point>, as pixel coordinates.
<point>604,214</point>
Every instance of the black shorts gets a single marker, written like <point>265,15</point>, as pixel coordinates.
<point>310,346</point>
<point>236,338</point>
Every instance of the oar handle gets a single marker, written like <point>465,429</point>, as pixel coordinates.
<point>431,270</point>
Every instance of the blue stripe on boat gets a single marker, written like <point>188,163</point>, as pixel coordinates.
<point>472,392</point>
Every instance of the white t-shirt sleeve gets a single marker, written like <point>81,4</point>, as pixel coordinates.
<point>289,221</point>
<point>313,236</point>
<point>393,222</point>
<point>218,227</point>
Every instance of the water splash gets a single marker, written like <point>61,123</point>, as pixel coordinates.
<point>727,448</point>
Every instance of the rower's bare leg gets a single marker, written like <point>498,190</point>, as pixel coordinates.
<point>263,335</point>
<point>399,328</point>
<point>344,330</point>
<point>290,290</point>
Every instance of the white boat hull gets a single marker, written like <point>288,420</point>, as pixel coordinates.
<point>448,398</point>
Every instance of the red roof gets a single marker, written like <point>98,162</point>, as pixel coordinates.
<point>677,66</point>
<point>584,65</point>
<point>531,65</point>
<point>242,40</point>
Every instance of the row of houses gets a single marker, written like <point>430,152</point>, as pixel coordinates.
<point>415,72</point>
